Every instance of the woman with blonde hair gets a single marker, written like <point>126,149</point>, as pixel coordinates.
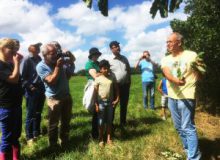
<point>10,99</point>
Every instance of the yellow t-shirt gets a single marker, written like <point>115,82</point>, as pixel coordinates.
<point>181,65</point>
<point>105,84</point>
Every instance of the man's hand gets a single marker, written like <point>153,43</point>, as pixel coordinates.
<point>114,103</point>
<point>96,107</point>
<point>181,82</point>
<point>60,62</point>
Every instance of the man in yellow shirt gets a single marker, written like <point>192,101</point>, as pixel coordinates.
<point>181,92</point>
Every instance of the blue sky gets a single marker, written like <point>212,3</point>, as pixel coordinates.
<point>78,28</point>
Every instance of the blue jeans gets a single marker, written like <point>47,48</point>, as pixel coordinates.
<point>148,87</point>
<point>11,121</point>
<point>105,113</point>
<point>182,112</point>
<point>34,102</point>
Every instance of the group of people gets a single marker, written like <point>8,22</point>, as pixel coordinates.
<point>48,78</point>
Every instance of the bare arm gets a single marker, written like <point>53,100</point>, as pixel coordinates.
<point>14,77</point>
<point>115,102</point>
<point>159,88</point>
<point>93,73</point>
<point>171,78</point>
<point>137,64</point>
<point>52,78</point>
<point>96,98</point>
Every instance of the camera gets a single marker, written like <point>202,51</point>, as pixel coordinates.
<point>64,55</point>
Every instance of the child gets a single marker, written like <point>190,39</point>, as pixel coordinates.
<point>10,99</point>
<point>162,88</point>
<point>105,84</point>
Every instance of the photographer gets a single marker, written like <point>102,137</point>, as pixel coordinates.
<point>55,78</point>
<point>67,56</point>
<point>148,78</point>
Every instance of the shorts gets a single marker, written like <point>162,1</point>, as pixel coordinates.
<point>164,101</point>
<point>105,114</point>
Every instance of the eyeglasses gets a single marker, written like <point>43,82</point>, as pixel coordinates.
<point>172,42</point>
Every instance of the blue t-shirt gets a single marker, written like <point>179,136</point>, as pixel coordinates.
<point>60,88</point>
<point>147,73</point>
<point>164,86</point>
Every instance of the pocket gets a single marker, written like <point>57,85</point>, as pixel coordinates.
<point>4,113</point>
<point>52,103</point>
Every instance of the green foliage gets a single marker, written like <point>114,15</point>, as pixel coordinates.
<point>162,6</point>
<point>201,32</point>
<point>157,5</point>
<point>198,65</point>
<point>88,3</point>
<point>102,4</point>
<point>103,7</point>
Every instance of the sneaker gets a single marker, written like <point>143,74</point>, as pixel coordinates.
<point>101,144</point>
<point>30,142</point>
<point>164,118</point>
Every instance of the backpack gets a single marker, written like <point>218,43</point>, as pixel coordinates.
<point>88,97</point>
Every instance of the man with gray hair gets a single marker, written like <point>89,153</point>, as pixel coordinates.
<point>59,100</point>
<point>181,92</point>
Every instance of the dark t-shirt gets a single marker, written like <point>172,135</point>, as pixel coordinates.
<point>10,94</point>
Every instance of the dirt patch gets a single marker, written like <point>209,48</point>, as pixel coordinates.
<point>209,140</point>
<point>208,125</point>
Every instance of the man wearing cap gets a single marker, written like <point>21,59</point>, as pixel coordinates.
<point>121,68</point>
<point>34,93</point>
<point>92,71</point>
<point>59,100</point>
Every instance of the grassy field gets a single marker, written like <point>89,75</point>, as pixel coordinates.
<point>146,136</point>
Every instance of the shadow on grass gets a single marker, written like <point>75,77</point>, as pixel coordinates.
<point>82,113</point>
<point>78,142</point>
<point>143,120</point>
<point>135,129</point>
<point>210,149</point>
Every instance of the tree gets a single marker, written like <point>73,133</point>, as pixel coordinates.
<point>201,33</point>
<point>157,5</point>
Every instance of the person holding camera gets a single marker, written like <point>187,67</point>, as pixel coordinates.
<point>146,66</point>
<point>34,93</point>
<point>10,99</point>
<point>55,77</point>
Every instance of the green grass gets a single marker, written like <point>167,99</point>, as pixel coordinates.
<point>146,136</point>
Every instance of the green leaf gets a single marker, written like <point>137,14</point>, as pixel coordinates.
<point>103,7</point>
<point>88,3</point>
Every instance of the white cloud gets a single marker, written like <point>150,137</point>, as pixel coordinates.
<point>136,19</point>
<point>33,24</point>
<point>100,42</point>
<point>154,42</point>
<point>87,21</point>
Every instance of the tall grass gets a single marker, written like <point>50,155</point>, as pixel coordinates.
<point>146,136</point>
